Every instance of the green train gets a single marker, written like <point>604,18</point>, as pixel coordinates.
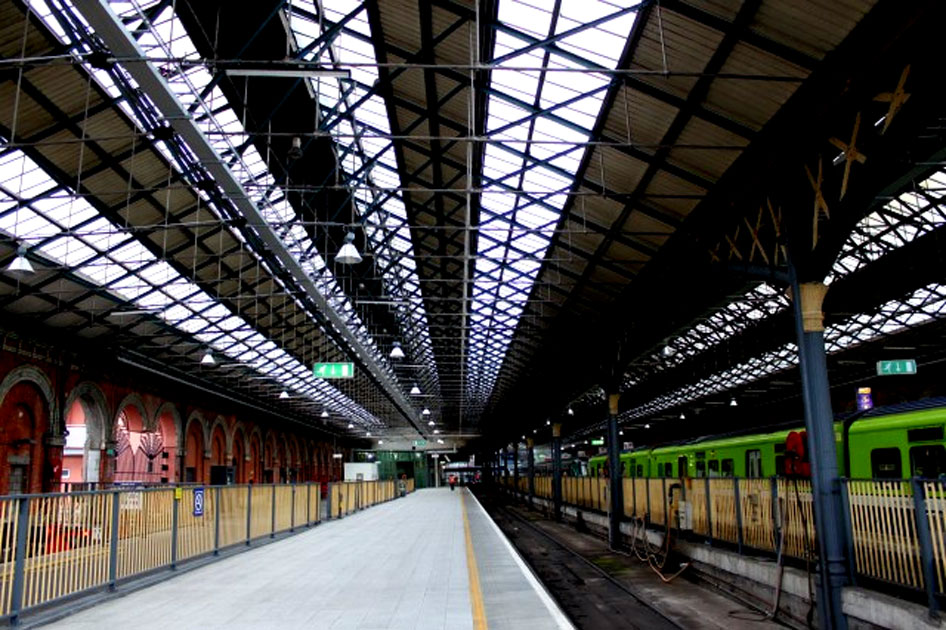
<point>893,442</point>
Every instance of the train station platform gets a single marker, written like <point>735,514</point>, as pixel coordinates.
<point>430,561</point>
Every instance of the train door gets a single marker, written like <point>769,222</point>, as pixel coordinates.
<point>754,463</point>
<point>682,466</point>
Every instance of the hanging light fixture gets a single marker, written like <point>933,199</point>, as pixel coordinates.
<point>283,394</point>
<point>571,411</point>
<point>325,413</point>
<point>207,359</point>
<point>348,254</point>
<point>621,432</point>
<point>295,152</point>
<point>439,441</point>
<point>396,351</point>
<point>733,402</point>
<point>415,390</point>
<point>351,426</point>
<point>646,426</point>
<point>368,434</point>
<point>683,416</point>
<point>431,423</point>
<point>380,442</point>
<point>667,351</point>
<point>425,412</point>
<point>548,422</point>
<point>20,266</point>
<point>436,431</point>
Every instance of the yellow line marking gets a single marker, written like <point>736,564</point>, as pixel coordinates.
<point>476,594</point>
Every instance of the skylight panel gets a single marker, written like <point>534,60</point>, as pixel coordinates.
<point>365,155</point>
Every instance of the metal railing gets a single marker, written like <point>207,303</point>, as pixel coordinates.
<point>889,544</point>
<point>54,546</point>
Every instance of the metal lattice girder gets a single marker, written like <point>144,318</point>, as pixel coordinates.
<point>232,272</point>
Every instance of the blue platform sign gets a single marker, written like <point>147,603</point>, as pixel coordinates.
<point>198,501</point>
<point>865,400</point>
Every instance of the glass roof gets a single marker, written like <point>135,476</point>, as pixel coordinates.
<point>919,307</point>
<point>65,230</point>
<point>163,37</point>
<point>539,154</point>
<point>896,223</point>
<point>357,120</point>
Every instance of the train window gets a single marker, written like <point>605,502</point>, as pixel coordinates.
<point>701,468</point>
<point>885,463</point>
<point>714,468</point>
<point>754,463</point>
<point>640,470</point>
<point>668,470</point>
<point>729,468</point>
<point>780,464</point>
<point>927,434</point>
<point>928,462</point>
<point>660,470</point>
<point>682,465</point>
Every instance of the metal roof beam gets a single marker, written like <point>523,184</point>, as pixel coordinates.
<point>119,40</point>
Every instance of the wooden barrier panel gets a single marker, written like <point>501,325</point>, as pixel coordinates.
<point>884,531</point>
<point>283,507</point>
<point>144,530</point>
<point>798,517</point>
<point>758,526</point>
<point>233,506</point>
<point>9,508</point>
<point>195,533</point>
<point>67,545</point>
<point>261,513</point>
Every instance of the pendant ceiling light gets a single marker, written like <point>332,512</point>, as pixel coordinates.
<point>284,395</point>
<point>348,254</point>
<point>325,413</point>
<point>20,266</point>
<point>396,351</point>
<point>425,412</point>
<point>207,359</point>
<point>415,390</point>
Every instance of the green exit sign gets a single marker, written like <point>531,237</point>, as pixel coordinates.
<point>334,370</point>
<point>903,366</point>
<point>597,442</point>
<point>420,442</point>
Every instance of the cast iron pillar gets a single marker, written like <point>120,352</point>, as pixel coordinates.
<point>515,468</point>
<point>557,471</point>
<point>530,444</point>
<point>819,422</point>
<point>616,505</point>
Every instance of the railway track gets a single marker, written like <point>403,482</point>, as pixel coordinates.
<point>588,594</point>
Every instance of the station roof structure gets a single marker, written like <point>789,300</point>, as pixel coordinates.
<point>551,200</point>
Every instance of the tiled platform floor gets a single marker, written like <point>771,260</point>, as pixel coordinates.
<point>399,565</point>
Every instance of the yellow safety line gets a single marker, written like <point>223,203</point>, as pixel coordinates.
<point>476,595</point>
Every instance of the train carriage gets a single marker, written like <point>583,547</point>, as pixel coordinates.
<point>893,442</point>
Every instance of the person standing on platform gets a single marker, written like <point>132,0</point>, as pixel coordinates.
<point>453,482</point>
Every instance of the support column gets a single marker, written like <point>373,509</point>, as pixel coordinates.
<point>530,444</point>
<point>616,514</point>
<point>557,471</point>
<point>819,422</point>
<point>515,468</point>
